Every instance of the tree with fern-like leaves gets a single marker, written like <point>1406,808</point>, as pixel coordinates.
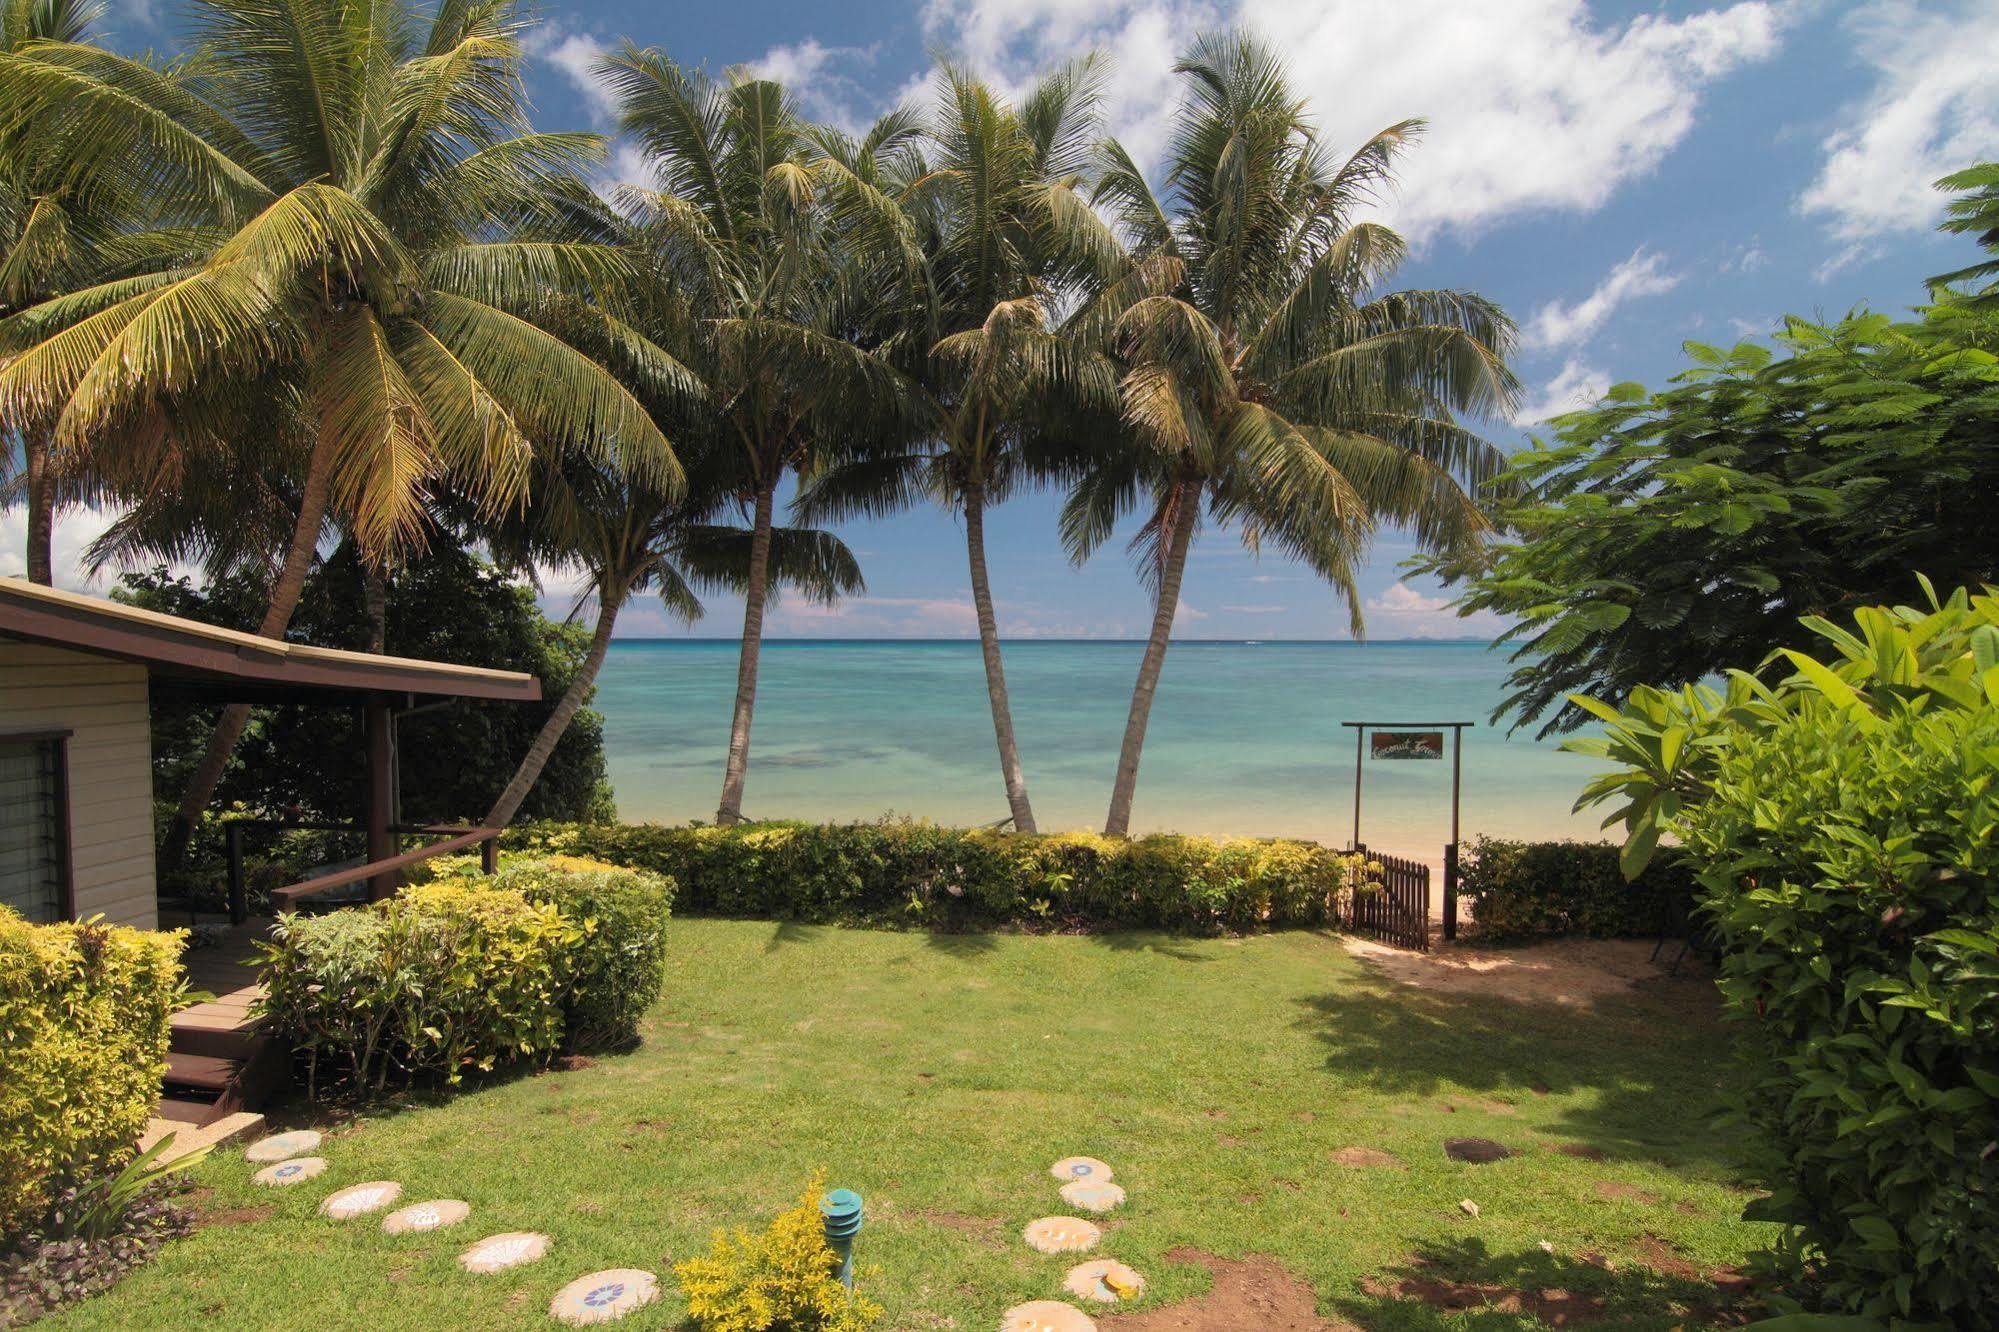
<point>1272,385</point>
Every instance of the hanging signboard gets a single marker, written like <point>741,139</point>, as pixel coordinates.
<point>1406,744</point>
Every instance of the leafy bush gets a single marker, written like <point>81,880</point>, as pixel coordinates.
<point>45,1272</point>
<point>782,1280</point>
<point>618,965</point>
<point>84,1009</point>
<point>1846,825</point>
<point>902,873</point>
<point>1528,890</point>
<point>444,977</point>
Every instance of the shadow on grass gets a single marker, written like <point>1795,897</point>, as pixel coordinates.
<point>1179,947</point>
<point>1654,1078</point>
<point>1462,1284</point>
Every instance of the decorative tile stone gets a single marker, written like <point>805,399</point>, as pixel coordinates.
<point>603,1296</point>
<point>1092,1196</point>
<point>496,1253</point>
<point>1105,1280</point>
<point>282,1146</point>
<point>1047,1316</point>
<point>1061,1234</point>
<point>433,1215</point>
<point>360,1199</point>
<point>1081,1167</point>
<point>291,1172</point>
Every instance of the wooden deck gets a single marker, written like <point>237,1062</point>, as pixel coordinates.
<point>220,1065</point>
<point>228,971</point>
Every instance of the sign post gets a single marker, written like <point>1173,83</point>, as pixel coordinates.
<point>1417,741</point>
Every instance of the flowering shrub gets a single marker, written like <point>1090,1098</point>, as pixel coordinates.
<point>780,1280</point>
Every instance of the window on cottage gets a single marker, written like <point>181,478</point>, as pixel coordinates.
<point>34,852</point>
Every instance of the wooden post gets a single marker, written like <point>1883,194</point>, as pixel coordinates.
<point>381,793</point>
<point>489,854</point>
<point>239,900</point>
<point>1359,743</point>
<point>1451,851</point>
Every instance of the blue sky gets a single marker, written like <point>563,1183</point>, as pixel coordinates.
<point>1620,177</point>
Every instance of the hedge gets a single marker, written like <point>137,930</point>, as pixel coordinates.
<point>1541,890</point>
<point>84,1010</point>
<point>895,873</point>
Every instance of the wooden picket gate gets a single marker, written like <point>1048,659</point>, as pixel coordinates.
<point>1396,909</point>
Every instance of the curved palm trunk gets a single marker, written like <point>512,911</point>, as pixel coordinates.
<point>375,604</point>
<point>285,593</point>
<point>1118,822</point>
<point>503,810</point>
<point>731,809</point>
<point>41,487</point>
<point>982,602</point>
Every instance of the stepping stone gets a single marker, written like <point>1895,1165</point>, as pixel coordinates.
<point>434,1215</point>
<point>360,1199</point>
<point>1478,1151</point>
<point>1081,1167</point>
<point>1061,1234</point>
<point>1047,1316</point>
<point>1092,1196</point>
<point>604,1296</point>
<point>291,1172</point>
<point>496,1253</point>
<point>282,1146</point>
<point>1105,1280</point>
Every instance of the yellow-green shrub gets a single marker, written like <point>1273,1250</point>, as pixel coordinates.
<point>618,965</point>
<point>84,1009</point>
<point>778,1280</point>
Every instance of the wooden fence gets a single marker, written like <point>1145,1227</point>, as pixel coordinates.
<point>1395,907</point>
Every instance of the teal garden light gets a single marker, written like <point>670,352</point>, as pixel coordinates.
<point>841,1211</point>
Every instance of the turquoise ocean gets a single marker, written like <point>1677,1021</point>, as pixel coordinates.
<point>1246,738</point>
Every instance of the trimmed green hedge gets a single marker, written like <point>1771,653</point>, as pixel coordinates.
<point>618,966</point>
<point>917,874</point>
<point>1542,890</point>
<point>84,1010</point>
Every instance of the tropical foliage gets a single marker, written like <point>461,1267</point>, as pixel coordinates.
<point>1266,380</point>
<point>1663,536</point>
<point>1842,821</point>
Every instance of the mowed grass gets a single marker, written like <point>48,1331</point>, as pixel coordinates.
<point>941,1076</point>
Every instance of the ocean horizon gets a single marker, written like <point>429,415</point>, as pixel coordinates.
<point>1246,736</point>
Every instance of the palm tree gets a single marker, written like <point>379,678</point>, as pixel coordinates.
<point>977,244</point>
<point>768,302</point>
<point>381,244</point>
<point>1272,387</point>
<point>628,537</point>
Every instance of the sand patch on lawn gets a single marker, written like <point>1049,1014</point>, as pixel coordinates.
<point>1574,972</point>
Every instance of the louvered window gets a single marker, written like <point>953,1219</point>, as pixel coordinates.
<point>34,873</point>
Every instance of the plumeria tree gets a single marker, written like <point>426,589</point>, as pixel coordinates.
<point>1271,386</point>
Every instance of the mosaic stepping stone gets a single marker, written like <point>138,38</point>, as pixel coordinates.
<point>295,1171</point>
<point>1047,1316</point>
<point>433,1215</point>
<point>1092,1196</point>
<point>1478,1151</point>
<point>1081,1167</point>
<point>1061,1234</point>
<point>604,1296</point>
<point>1105,1280</point>
<point>360,1199</point>
<point>496,1253</point>
<point>282,1146</point>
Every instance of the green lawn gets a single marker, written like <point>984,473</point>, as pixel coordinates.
<point>940,1076</point>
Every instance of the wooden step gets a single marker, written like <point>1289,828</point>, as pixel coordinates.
<point>200,1072</point>
<point>176,1110</point>
<point>204,1030</point>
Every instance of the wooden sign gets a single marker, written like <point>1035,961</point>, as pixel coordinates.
<point>1406,744</point>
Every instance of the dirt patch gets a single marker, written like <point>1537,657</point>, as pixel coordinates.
<point>1574,972</point>
<point>1477,1151</point>
<point>236,1216</point>
<point>1664,1259</point>
<point>1366,1156</point>
<point>1611,1190</point>
<point>1254,1292</point>
<point>1555,1307</point>
<point>574,1063</point>
<point>986,1229</point>
<point>1581,1151</point>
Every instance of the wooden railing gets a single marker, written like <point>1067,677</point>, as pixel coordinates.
<point>456,838</point>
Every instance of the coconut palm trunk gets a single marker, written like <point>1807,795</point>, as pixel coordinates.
<point>41,489</point>
<point>285,593</point>
<point>1186,504</point>
<point>525,776</point>
<point>982,601</point>
<point>755,592</point>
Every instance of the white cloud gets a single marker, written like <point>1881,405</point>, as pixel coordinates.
<point>1747,259</point>
<point>1185,614</point>
<point>1400,611</point>
<point>576,55</point>
<point>1257,610</point>
<point>815,74</point>
<point>1559,325</point>
<point>1933,109</point>
<point>1574,386</point>
<point>1532,104</point>
<point>75,529</point>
